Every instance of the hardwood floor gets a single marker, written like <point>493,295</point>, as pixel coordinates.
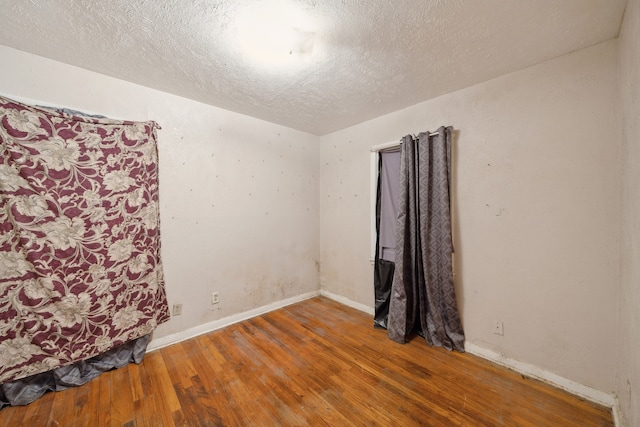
<point>310,364</point>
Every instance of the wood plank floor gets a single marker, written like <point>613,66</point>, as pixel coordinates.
<point>310,364</point>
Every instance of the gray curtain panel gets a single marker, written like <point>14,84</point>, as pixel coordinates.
<point>26,390</point>
<point>423,296</point>
<point>386,214</point>
<point>389,176</point>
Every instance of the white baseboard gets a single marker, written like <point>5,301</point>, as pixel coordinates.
<point>541,374</point>
<point>157,343</point>
<point>347,301</point>
<point>617,415</point>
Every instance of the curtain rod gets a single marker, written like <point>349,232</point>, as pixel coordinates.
<point>384,146</point>
<point>431,133</point>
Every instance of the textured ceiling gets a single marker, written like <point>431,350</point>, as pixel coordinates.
<point>370,57</point>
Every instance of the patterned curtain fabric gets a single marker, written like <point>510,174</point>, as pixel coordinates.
<point>422,294</point>
<point>80,268</point>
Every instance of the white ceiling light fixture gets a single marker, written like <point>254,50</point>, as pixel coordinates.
<point>274,33</point>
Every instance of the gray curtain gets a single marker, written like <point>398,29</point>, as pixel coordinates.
<point>422,295</point>
<point>386,214</point>
<point>26,390</point>
<point>389,184</point>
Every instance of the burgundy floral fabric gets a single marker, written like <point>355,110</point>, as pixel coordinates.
<point>80,267</point>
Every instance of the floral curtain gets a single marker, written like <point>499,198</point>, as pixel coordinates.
<point>80,268</point>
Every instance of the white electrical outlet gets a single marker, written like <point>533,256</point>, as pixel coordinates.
<point>498,327</point>
<point>215,298</point>
<point>177,309</point>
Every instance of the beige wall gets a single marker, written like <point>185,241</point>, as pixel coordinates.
<point>628,388</point>
<point>238,195</point>
<point>537,196</point>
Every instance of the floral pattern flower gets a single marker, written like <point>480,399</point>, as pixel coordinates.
<point>33,205</point>
<point>101,287</point>
<point>59,154</point>
<point>149,217</point>
<point>24,121</point>
<point>92,140</point>
<point>64,233</point>
<point>13,264</point>
<point>118,180</point>
<point>136,197</point>
<point>135,132</point>
<point>97,215</point>
<point>103,343</point>
<point>91,197</point>
<point>10,180</point>
<point>71,309</point>
<point>39,288</point>
<point>79,237</point>
<point>138,264</point>
<point>121,250</point>
<point>126,318</point>
<point>16,351</point>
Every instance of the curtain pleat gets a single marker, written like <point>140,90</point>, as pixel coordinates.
<point>423,296</point>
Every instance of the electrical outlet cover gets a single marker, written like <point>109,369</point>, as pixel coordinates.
<point>177,309</point>
<point>498,327</point>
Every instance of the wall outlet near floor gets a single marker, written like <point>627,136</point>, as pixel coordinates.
<point>498,327</point>
<point>177,309</point>
<point>215,298</point>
